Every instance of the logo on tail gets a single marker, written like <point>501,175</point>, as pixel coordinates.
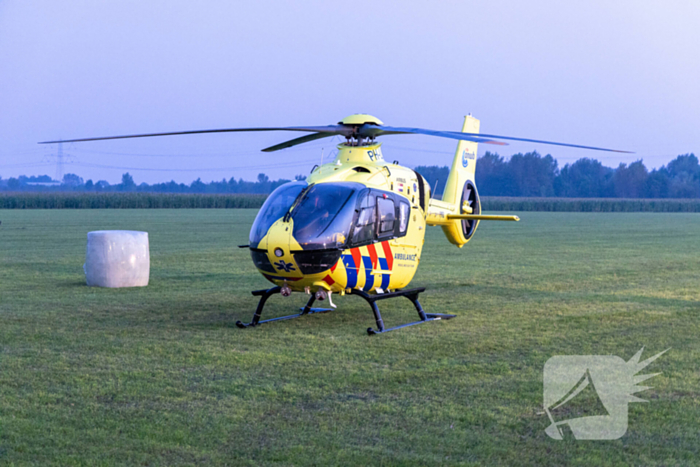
<point>466,156</point>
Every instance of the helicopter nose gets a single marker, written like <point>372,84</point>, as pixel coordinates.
<point>279,239</point>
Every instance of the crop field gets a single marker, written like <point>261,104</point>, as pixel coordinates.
<point>145,200</point>
<point>161,376</point>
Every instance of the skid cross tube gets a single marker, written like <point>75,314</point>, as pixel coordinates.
<point>412,295</point>
<point>267,293</point>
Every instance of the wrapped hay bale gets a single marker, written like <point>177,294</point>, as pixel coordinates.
<point>117,258</point>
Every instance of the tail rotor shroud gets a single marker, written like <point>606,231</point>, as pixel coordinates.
<point>470,198</point>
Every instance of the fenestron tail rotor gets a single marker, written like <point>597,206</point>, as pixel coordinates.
<point>358,129</point>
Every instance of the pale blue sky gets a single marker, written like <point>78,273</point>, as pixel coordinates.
<point>621,74</point>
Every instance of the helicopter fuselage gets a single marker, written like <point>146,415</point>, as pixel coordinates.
<point>355,223</point>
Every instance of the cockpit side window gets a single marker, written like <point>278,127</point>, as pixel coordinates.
<point>387,216</point>
<point>380,217</point>
<point>366,219</point>
<point>404,214</point>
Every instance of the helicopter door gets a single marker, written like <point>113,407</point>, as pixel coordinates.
<point>386,216</point>
<point>364,228</point>
<point>404,212</point>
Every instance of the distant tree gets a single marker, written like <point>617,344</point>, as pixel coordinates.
<point>263,185</point>
<point>127,183</point>
<point>40,179</point>
<point>684,172</point>
<point>630,181</point>
<point>102,185</point>
<point>493,177</point>
<point>685,165</point>
<point>299,177</point>
<point>89,186</point>
<point>533,174</point>
<point>72,180</point>
<point>585,178</point>
<point>13,184</point>
<point>232,185</point>
<point>435,176</point>
<point>198,186</point>
<point>658,184</point>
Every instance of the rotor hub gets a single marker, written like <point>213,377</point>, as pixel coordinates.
<point>360,119</point>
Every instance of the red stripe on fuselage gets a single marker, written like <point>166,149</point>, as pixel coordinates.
<point>334,266</point>
<point>372,255</point>
<point>356,257</point>
<point>388,255</point>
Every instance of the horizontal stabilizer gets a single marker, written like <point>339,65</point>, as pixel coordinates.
<point>481,217</point>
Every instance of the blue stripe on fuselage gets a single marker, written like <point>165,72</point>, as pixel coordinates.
<point>350,270</point>
<point>385,277</point>
<point>369,278</point>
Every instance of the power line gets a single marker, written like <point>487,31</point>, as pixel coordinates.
<point>197,155</point>
<point>26,164</point>
<point>217,169</point>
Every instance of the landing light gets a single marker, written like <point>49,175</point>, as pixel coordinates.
<point>278,252</point>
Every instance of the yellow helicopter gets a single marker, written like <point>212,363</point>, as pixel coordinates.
<point>357,224</point>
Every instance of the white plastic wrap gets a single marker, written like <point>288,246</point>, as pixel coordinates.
<point>117,258</point>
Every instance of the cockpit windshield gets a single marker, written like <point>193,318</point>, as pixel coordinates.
<point>324,214</point>
<point>276,206</point>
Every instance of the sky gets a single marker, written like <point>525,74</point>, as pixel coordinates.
<point>621,74</point>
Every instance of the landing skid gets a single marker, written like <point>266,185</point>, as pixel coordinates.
<point>264,295</point>
<point>411,294</point>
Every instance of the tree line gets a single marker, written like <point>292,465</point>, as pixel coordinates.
<point>533,175</point>
<point>74,183</point>
<point>529,175</point>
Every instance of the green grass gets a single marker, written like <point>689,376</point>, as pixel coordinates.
<point>161,376</point>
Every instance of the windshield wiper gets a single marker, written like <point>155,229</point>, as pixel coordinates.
<point>296,202</point>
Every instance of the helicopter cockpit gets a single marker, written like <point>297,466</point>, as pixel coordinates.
<point>334,215</point>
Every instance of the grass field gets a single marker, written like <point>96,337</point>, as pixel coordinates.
<point>161,376</point>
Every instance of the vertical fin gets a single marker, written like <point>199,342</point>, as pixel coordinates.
<point>463,165</point>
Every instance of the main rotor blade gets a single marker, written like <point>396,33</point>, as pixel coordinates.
<point>527,140</point>
<point>374,130</point>
<point>364,131</point>
<point>295,141</point>
<point>330,130</point>
<point>475,137</point>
